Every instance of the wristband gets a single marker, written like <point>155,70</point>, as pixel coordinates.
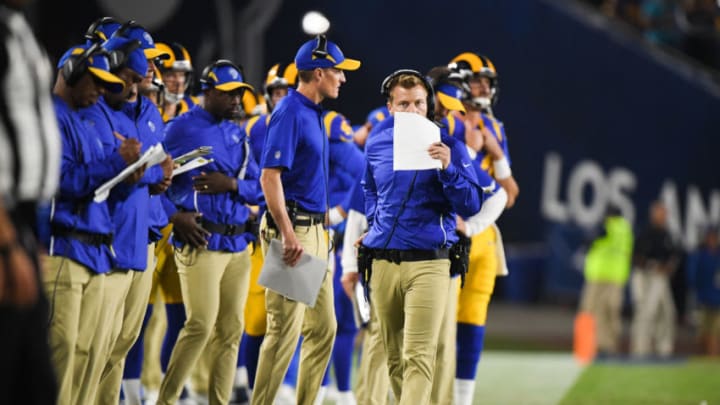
<point>335,216</point>
<point>502,169</point>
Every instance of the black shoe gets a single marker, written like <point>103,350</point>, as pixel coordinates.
<point>239,396</point>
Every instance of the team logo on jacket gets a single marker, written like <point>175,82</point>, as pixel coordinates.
<point>151,125</point>
<point>277,154</point>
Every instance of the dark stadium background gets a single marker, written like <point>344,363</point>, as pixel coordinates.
<point>620,122</point>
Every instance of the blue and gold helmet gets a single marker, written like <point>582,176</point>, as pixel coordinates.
<point>280,75</point>
<point>469,65</point>
<point>178,61</point>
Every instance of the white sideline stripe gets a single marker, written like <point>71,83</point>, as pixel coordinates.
<point>529,378</point>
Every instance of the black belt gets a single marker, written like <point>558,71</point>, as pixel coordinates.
<point>298,217</point>
<point>412,255</point>
<point>308,219</point>
<point>95,239</point>
<point>223,229</point>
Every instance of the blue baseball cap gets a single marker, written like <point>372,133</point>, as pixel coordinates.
<point>98,65</point>
<point>132,30</point>
<point>321,53</point>
<point>135,60</point>
<point>223,75</point>
<point>450,97</point>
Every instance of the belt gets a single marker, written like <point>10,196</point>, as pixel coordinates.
<point>412,255</point>
<point>90,238</point>
<point>308,219</point>
<point>223,229</point>
<point>298,217</point>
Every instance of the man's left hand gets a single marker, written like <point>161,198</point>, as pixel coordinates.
<point>214,182</point>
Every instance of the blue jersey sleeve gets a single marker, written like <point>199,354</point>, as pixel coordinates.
<point>281,140</point>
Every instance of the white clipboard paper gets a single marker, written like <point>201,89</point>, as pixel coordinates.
<point>300,283</point>
<point>413,134</point>
<point>152,156</point>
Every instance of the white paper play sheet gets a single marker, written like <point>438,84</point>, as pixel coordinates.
<point>412,136</point>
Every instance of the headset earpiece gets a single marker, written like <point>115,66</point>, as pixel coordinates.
<point>119,57</point>
<point>385,88</point>
<point>76,65</point>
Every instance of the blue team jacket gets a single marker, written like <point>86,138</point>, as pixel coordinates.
<point>86,164</point>
<point>128,203</point>
<point>150,125</point>
<point>232,157</point>
<point>428,219</point>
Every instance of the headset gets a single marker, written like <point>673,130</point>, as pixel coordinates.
<point>76,65</point>
<point>321,50</point>
<point>127,26</point>
<point>385,88</point>
<point>94,33</point>
<point>205,78</point>
<point>119,57</point>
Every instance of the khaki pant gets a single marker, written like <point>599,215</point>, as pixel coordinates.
<point>286,319</point>
<point>654,317</point>
<point>410,299</point>
<point>374,381</point>
<point>75,294</point>
<point>151,375</point>
<point>445,361</point>
<point>128,329</point>
<point>117,286</point>
<point>604,302</point>
<point>214,289</point>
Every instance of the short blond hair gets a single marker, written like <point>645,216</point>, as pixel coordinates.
<point>406,81</point>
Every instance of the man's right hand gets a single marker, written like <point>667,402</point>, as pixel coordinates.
<point>292,249</point>
<point>186,227</point>
<point>348,281</point>
<point>129,149</point>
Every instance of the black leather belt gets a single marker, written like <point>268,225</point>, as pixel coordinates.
<point>308,219</point>
<point>223,229</point>
<point>411,255</point>
<point>89,238</point>
<point>298,217</point>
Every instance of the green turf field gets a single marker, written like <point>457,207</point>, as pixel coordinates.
<point>693,382</point>
<point>536,378</point>
<point>510,377</point>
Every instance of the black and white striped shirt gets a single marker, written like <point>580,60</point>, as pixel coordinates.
<point>30,147</point>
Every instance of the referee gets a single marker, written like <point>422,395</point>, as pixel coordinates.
<point>29,173</point>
